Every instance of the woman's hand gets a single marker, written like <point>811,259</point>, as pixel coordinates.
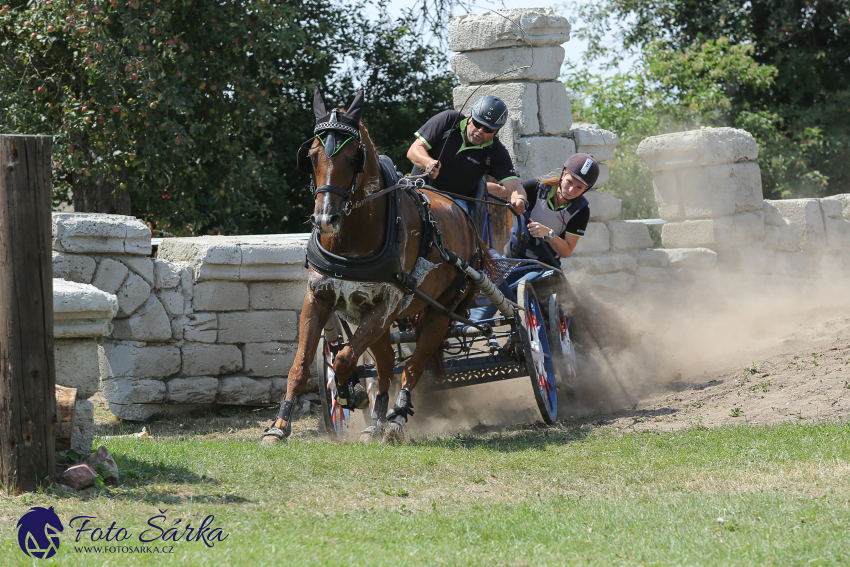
<point>538,230</point>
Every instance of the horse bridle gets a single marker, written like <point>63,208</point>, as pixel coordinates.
<point>333,127</point>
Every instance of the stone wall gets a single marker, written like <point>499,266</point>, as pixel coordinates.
<point>539,134</point>
<point>81,316</point>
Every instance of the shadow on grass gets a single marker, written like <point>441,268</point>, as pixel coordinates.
<point>156,483</point>
<point>529,437</point>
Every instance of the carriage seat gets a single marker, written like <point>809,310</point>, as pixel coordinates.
<point>388,170</point>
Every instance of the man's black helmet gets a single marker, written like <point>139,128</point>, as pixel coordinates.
<point>491,111</point>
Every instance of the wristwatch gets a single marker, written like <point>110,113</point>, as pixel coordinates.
<point>550,235</point>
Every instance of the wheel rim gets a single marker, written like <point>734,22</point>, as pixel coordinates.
<point>567,348</point>
<point>336,418</point>
<point>541,359</point>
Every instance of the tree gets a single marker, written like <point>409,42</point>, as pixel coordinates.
<point>185,113</point>
<point>800,118</point>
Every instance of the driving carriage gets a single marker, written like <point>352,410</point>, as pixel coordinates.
<point>394,268</point>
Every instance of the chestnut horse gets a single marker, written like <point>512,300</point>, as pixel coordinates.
<point>345,171</point>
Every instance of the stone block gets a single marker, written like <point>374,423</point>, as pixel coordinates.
<point>257,326</point>
<point>142,266</point>
<point>723,232</point>
<point>556,112</point>
<point>187,280</point>
<point>81,310</point>
<point>832,208</point>
<point>604,176</point>
<point>772,215</point>
<point>651,258</point>
<point>210,360</point>
<point>538,156</point>
<point>596,240</point>
<point>837,231</point>
<point>110,275</point>
<point>73,267</point>
<point>747,260</point>
<point>783,237</point>
<point>133,391</point>
<point>220,296</point>
<point>651,274</point>
<point>600,264</point>
<point>708,191</point>
<point>483,65</point>
<point>796,264</point>
<point>628,235</point>
<point>244,391</point>
<point>132,295</point>
<point>807,218</point>
<point>278,390</point>
<point>488,30</point>
<point>172,301</point>
<point>201,328</point>
<point>603,206</point>
<point>82,434</point>
<point>211,257</point>
<point>77,365</point>
<point>96,233</point>
<point>593,140</point>
<point>134,361</point>
<point>150,324</point>
<point>178,325</point>
<point>166,274</point>
<point>278,295</point>
<point>273,259</point>
<point>845,204</point>
<point>693,148</point>
<point>269,359</point>
<point>202,390</point>
<point>691,258</point>
<point>520,98</point>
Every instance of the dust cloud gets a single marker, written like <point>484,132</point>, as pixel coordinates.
<point>632,345</point>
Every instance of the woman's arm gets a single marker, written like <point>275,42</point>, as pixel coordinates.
<point>563,246</point>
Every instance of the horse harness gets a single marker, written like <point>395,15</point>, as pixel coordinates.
<point>385,266</point>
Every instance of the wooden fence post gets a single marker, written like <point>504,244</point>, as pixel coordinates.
<point>27,369</point>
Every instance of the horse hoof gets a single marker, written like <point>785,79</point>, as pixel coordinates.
<point>270,440</point>
<point>394,433</point>
<point>365,438</point>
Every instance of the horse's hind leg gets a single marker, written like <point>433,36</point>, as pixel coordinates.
<point>314,314</point>
<point>382,350</point>
<point>374,324</point>
<point>431,336</point>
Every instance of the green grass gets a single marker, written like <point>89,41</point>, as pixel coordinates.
<point>757,495</point>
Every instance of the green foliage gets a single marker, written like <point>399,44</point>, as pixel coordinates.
<point>192,110</point>
<point>795,58</point>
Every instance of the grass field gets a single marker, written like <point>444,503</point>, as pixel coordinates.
<point>566,495</point>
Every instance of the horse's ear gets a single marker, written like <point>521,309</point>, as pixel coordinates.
<point>319,105</point>
<point>355,110</point>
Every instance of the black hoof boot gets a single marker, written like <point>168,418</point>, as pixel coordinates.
<point>379,419</point>
<point>274,435</point>
<point>352,394</point>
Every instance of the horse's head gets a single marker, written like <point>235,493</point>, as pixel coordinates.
<point>335,159</point>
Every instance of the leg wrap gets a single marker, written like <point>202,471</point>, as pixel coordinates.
<point>352,395</point>
<point>379,412</point>
<point>403,407</point>
<point>285,410</point>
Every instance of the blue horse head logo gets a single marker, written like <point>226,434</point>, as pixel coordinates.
<point>38,532</point>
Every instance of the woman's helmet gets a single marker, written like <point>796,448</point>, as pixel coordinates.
<point>584,168</point>
<point>491,111</point>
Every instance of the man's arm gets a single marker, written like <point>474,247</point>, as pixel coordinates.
<point>418,154</point>
<point>518,197</point>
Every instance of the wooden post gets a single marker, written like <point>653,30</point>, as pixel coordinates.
<point>27,369</point>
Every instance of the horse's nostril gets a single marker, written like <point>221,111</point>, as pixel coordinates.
<point>333,220</point>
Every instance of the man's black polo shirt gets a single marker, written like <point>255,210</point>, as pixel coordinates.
<point>462,166</point>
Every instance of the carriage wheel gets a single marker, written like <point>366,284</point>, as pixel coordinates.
<point>562,347</point>
<point>334,420</point>
<point>532,328</point>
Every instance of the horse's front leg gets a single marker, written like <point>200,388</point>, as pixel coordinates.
<point>314,314</point>
<point>374,323</point>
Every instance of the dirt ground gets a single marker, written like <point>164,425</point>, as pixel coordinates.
<point>802,378</point>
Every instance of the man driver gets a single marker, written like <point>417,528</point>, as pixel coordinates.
<point>458,151</point>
